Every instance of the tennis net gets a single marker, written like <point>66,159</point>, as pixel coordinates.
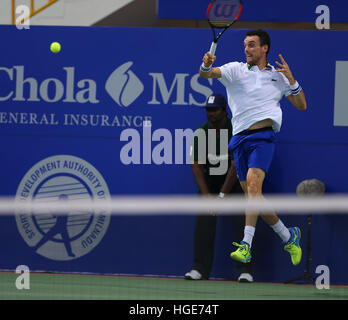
<point>140,247</point>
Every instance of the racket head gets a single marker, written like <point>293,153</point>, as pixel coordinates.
<point>223,13</point>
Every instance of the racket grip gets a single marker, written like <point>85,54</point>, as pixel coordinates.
<point>213,48</point>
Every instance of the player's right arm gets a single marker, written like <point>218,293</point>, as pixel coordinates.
<point>208,60</point>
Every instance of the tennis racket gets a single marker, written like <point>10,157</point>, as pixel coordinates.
<point>221,14</point>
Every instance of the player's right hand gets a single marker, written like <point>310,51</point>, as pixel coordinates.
<point>208,59</point>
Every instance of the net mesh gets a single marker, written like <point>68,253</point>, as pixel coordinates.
<point>148,247</point>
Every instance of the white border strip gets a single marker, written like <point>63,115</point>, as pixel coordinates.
<point>182,205</point>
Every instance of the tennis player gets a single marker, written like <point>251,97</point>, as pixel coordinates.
<point>254,89</point>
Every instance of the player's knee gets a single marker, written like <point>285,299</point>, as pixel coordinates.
<point>254,186</point>
<point>254,182</point>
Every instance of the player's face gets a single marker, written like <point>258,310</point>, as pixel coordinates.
<point>253,50</point>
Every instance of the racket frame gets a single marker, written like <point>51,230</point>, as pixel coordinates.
<point>216,38</point>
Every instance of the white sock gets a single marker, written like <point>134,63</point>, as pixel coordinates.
<point>282,231</point>
<point>249,232</point>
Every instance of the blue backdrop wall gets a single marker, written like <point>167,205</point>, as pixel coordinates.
<point>67,119</point>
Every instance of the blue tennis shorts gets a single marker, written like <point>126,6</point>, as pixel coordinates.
<point>252,150</point>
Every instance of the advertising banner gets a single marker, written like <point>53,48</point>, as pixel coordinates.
<point>113,113</point>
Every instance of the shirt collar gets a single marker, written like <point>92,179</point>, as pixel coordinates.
<point>268,67</point>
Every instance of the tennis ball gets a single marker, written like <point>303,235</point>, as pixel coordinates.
<point>55,47</point>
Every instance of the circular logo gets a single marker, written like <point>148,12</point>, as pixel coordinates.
<point>57,236</point>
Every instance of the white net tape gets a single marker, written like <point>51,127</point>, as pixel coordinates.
<point>181,204</point>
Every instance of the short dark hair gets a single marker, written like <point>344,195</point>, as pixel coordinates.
<point>265,39</point>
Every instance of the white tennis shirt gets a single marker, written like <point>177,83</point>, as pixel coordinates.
<point>253,94</point>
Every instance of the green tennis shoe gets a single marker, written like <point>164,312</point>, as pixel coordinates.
<point>243,253</point>
<point>293,246</point>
